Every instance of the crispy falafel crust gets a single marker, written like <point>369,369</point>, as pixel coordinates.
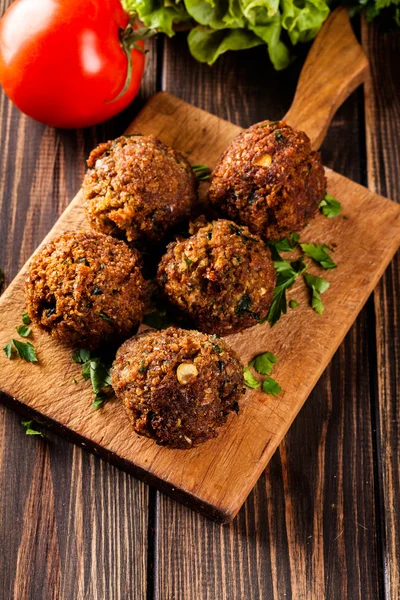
<point>85,288</point>
<point>269,179</point>
<point>222,277</point>
<point>179,415</point>
<point>138,188</point>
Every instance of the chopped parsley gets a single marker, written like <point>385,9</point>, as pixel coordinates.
<point>9,350</point>
<point>318,253</point>
<point>95,369</point>
<point>26,319</point>
<point>278,136</point>
<point>25,350</point>
<point>270,386</point>
<point>264,363</point>
<point>97,291</point>
<point>202,172</point>
<point>29,426</point>
<point>143,367</point>
<point>83,261</point>
<point>188,262</point>
<point>330,207</point>
<point>294,304</point>
<point>50,311</point>
<point>217,348</point>
<point>284,245</point>
<point>23,330</point>
<point>249,379</point>
<point>317,286</point>
<point>287,275</point>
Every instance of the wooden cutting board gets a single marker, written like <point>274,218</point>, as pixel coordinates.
<point>216,477</point>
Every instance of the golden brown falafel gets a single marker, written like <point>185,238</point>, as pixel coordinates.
<point>269,179</point>
<point>138,188</point>
<point>177,386</point>
<point>85,288</point>
<point>222,277</point>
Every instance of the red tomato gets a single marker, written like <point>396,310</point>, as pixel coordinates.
<point>62,62</point>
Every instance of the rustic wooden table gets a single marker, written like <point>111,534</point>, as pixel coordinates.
<point>323,520</point>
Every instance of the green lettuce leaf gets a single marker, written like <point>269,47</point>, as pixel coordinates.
<point>303,19</point>
<point>158,14</point>
<point>206,45</point>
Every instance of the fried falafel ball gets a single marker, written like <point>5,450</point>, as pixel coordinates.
<point>85,288</point>
<point>269,179</point>
<point>177,386</point>
<point>222,277</point>
<point>138,188</point>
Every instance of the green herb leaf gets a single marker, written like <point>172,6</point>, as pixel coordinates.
<point>294,304</point>
<point>270,386</point>
<point>318,286</point>
<point>188,261</point>
<point>143,367</point>
<point>97,291</point>
<point>202,172</point>
<point>243,306</point>
<point>287,275</point>
<point>98,401</point>
<point>23,330</point>
<point>284,245</point>
<point>318,253</point>
<point>81,356</point>
<point>97,371</point>
<point>330,207</point>
<point>9,350</point>
<point>25,351</point>
<point>249,379</point>
<point>264,363</point>
<point>105,317</point>
<point>30,430</point>
<point>26,319</point>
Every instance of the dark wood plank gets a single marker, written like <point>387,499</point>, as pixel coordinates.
<point>71,526</point>
<point>382,108</point>
<point>308,529</point>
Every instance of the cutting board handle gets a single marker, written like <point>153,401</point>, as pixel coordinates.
<point>335,66</point>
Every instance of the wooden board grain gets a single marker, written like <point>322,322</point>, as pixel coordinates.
<point>216,477</point>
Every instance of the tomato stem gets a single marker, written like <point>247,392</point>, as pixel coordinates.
<point>128,38</point>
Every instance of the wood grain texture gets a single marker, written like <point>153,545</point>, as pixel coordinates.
<point>382,111</point>
<point>307,530</point>
<point>204,476</point>
<point>335,67</point>
<point>71,526</point>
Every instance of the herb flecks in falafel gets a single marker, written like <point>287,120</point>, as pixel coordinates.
<point>187,389</point>
<point>269,179</point>
<point>222,277</point>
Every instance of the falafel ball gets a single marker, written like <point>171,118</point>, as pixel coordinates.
<point>269,179</point>
<point>138,188</point>
<point>222,277</point>
<point>177,386</point>
<point>85,288</point>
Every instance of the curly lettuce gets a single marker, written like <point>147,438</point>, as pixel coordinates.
<point>217,26</point>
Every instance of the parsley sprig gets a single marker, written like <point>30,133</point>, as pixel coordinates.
<point>95,369</point>
<point>318,286</point>
<point>30,429</point>
<point>263,365</point>
<point>318,252</point>
<point>330,207</point>
<point>24,350</point>
<point>287,273</point>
